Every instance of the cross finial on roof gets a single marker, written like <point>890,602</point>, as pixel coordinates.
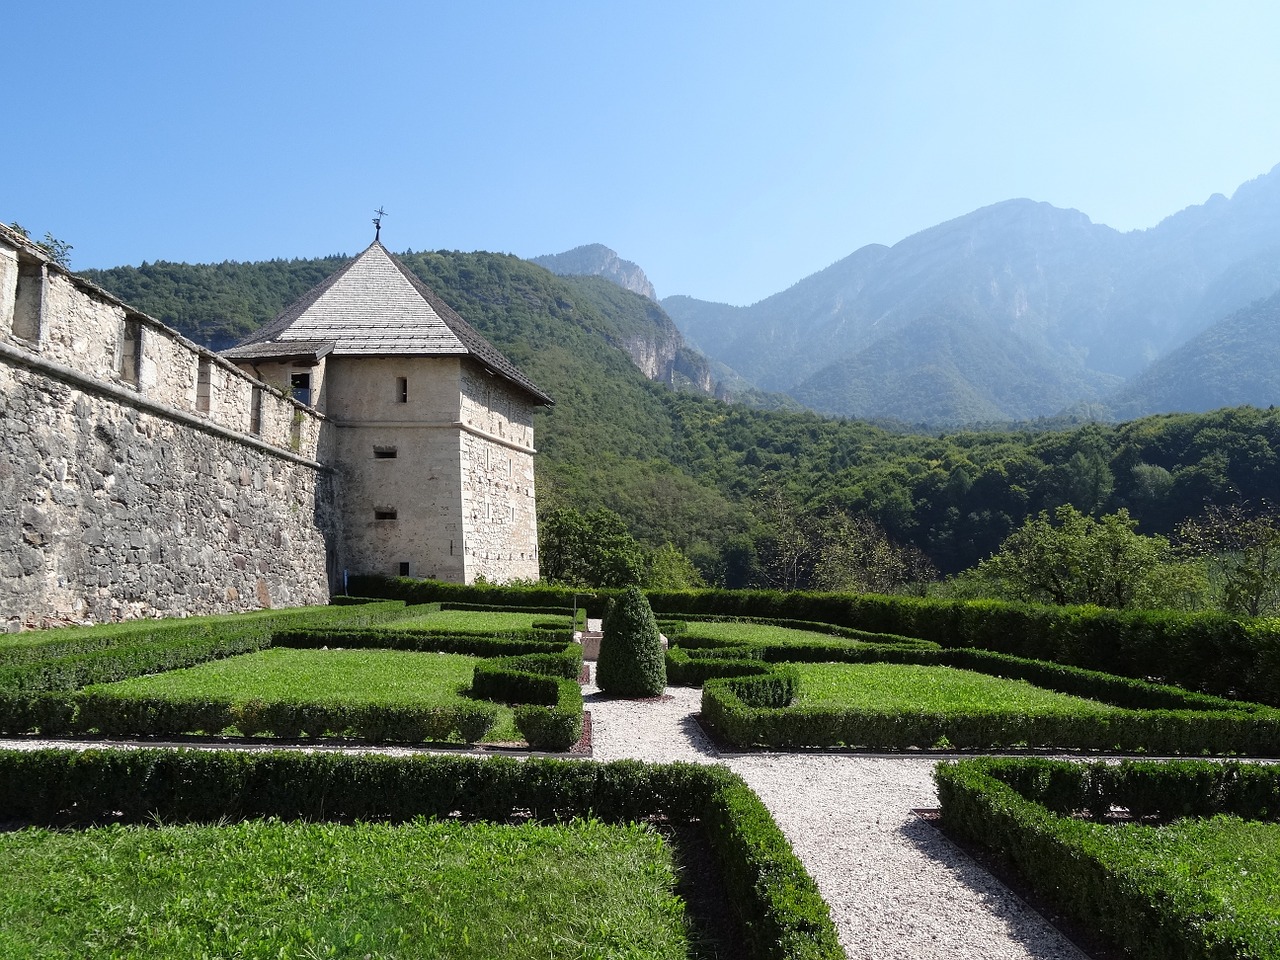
<point>377,223</point>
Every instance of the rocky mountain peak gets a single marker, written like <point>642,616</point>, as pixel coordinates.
<point>597,260</point>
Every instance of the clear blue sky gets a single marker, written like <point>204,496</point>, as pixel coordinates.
<point>729,148</point>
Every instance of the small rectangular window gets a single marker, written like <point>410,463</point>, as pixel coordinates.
<point>402,389</point>
<point>404,568</point>
<point>385,453</point>
<point>384,514</point>
<point>300,384</point>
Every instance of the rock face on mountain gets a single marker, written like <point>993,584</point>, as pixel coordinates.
<point>642,328</point>
<point>597,260</point>
<point>1016,310</point>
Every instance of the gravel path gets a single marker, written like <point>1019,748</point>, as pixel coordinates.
<point>897,888</point>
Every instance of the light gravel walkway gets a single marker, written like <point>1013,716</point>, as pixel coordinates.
<point>897,888</point>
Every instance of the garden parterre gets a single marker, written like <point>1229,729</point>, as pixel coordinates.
<point>526,679</point>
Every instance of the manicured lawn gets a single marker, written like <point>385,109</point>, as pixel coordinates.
<point>736,633</point>
<point>881,686</point>
<point>472,621</point>
<point>272,889</point>
<point>1216,868</point>
<point>280,674</point>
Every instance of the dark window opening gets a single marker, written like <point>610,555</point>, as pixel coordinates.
<point>300,384</point>
<point>28,307</point>
<point>404,568</point>
<point>255,412</point>
<point>204,385</point>
<point>385,453</point>
<point>131,351</point>
<point>384,514</point>
<point>402,389</point>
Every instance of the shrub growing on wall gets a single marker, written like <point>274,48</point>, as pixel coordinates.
<point>631,662</point>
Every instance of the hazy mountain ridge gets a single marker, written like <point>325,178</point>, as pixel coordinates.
<point>1040,288</point>
<point>1234,362</point>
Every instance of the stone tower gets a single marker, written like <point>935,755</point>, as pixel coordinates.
<point>428,426</point>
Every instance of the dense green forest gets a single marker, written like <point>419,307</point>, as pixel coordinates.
<point>740,490</point>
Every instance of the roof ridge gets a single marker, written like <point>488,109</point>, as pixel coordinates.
<point>470,340</point>
<point>285,318</point>
<point>475,342</point>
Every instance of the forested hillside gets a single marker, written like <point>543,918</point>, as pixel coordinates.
<point>728,485</point>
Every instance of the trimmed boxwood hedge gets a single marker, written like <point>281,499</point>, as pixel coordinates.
<point>1027,812</point>
<point>101,711</point>
<point>543,688</point>
<point>478,644</point>
<point>781,912</point>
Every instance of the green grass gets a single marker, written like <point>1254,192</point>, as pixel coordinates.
<point>281,674</point>
<point>744,633</point>
<point>473,621</point>
<point>879,686</point>
<point>1214,868</point>
<point>272,889</point>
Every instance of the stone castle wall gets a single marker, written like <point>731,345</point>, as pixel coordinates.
<point>499,509</point>
<point>141,474</point>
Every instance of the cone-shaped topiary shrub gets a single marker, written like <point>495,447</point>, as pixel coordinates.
<point>631,662</point>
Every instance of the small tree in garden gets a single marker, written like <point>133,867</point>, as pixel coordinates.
<point>631,662</point>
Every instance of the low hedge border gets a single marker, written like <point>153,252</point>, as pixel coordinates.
<point>693,666</point>
<point>45,696</point>
<point>690,623</point>
<point>566,612</point>
<point>1169,720</point>
<point>1021,811</point>
<point>544,690</point>
<point>108,714</point>
<point>476,644</point>
<point>781,912</point>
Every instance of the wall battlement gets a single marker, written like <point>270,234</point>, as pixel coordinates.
<point>141,474</point>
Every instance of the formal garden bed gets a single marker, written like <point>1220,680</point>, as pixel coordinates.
<point>894,697</point>
<point>384,856</point>
<point>371,694</point>
<point>1174,859</point>
<point>339,670</point>
<point>899,711</point>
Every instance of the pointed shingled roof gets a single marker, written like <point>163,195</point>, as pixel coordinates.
<point>374,306</point>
